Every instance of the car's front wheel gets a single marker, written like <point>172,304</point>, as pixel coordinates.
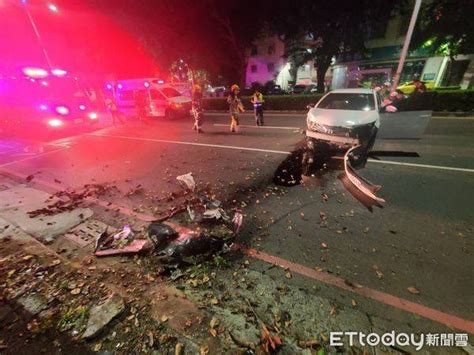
<point>170,114</point>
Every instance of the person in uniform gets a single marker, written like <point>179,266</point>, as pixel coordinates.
<point>257,101</point>
<point>196,108</point>
<point>235,107</point>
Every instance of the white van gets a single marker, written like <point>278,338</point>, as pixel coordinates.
<point>159,99</point>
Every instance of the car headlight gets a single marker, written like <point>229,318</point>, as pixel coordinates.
<point>62,110</point>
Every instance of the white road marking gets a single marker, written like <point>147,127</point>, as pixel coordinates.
<point>259,127</point>
<point>438,167</point>
<point>30,158</point>
<point>468,118</point>
<point>226,113</point>
<point>426,166</point>
<point>303,113</point>
<point>193,143</point>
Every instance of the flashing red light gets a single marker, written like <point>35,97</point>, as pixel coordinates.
<point>161,81</point>
<point>53,7</point>
<point>109,86</point>
<point>58,72</point>
<point>147,84</point>
<point>44,83</point>
<point>62,110</point>
<point>93,116</point>
<point>119,86</point>
<point>55,122</point>
<point>43,107</point>
<point>35,72</point>
<point>82,107</point>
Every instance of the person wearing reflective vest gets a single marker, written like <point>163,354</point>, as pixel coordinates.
<point>257,101</point>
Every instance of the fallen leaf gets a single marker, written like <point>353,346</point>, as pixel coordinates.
<point>97,347</point>
<point>76,291</point>
<point>288,275</point>
<point>204,350</point>
<point>333,311</point>
<point>163,318</point>
<point>214,301</point>
<point>214,322</point>
<point>178,350</point>
<point>354,303</point>
<point>27,257</point>
<point>213,332</point>
<point>379,274</point>
<point>413,290</point>
<point>11,272</point>
<point>56,262</point>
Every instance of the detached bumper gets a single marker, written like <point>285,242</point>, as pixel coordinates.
<point>332,138</point>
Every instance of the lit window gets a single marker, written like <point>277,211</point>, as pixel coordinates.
<point>253,68</point>
<point>270,67</point>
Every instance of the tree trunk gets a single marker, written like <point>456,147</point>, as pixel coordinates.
<point>322,66</point>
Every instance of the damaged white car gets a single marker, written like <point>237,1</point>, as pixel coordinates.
<point>347,120</point>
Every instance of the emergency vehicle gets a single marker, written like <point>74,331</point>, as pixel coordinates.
<point>151,95</point>
<point>43,104</point>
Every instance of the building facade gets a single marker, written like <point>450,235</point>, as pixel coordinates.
<point>266,63</point>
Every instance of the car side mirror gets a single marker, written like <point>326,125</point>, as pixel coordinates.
<point>310,106</point>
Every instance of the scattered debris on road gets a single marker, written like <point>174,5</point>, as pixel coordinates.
<point>187,181</point>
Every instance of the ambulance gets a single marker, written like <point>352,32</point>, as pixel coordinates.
<point>151,95</point>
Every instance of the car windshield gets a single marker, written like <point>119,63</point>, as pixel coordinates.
<point>353,102</point>
<point>170,92</point>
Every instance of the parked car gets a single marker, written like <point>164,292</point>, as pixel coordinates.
<point>298,89</point>
<point>275,90</point>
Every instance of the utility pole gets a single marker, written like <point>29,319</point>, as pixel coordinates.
<point>406,45</point>
<point>38,36</point>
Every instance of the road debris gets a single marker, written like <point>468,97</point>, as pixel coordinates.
<point>102,315</point>
<point>68,200</point>
<point>187,181</point>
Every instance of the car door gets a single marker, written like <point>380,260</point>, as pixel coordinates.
<point>409,121</point>
<point>158,103</point>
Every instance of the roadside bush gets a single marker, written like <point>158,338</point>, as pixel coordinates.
<point>444,100</point>
<point>455,100</point>
<point>272,102</point>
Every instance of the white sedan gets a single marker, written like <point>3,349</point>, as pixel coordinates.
<point>345,118</point>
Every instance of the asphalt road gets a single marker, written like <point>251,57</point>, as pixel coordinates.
<point>422,238</point>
